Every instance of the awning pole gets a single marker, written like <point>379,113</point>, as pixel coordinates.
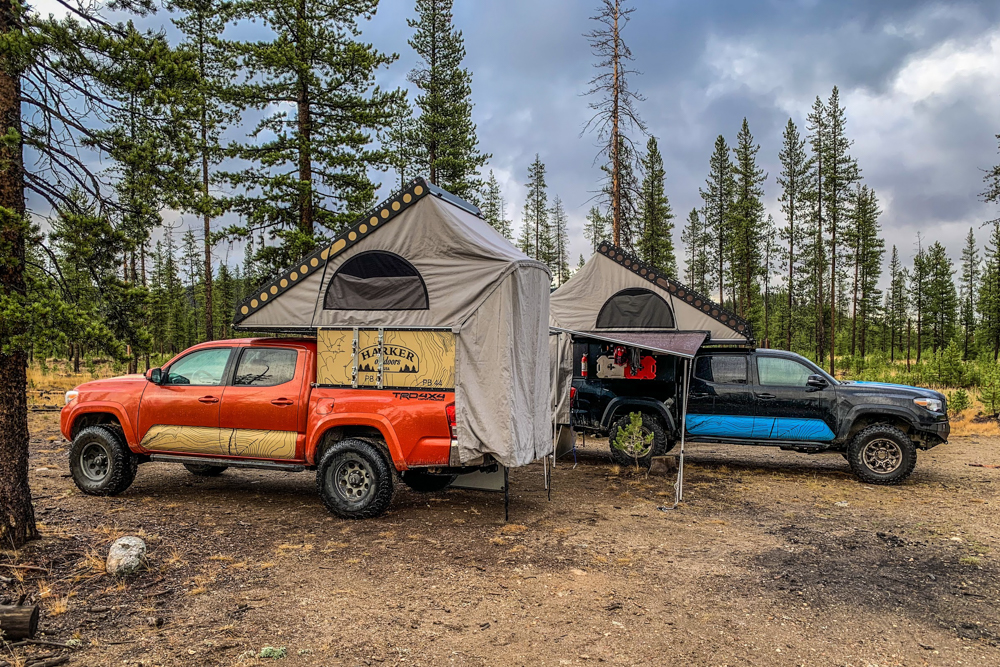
<point>679,489</point>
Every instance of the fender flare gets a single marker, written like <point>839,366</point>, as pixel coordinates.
<point>620,404</point>
<point>317,431</point>
<point>860,411</point>
<point>108,407</point>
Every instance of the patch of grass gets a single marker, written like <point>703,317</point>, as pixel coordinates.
<point>221,558</point>
<point>971,561</point>
<point>513,529</point>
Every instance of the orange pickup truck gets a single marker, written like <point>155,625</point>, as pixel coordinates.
<point>254,403</point>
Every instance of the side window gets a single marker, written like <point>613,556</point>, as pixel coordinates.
<point>777,372</point>
<point>376,280</point>
<point>206,368</point>
<point>265,367</point>
<point>721,369</point>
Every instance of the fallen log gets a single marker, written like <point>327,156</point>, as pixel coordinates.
<point>18,622</point>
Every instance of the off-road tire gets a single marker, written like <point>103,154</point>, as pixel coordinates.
<point>658,447</point>
<point>102,449</point>
<point>354,479</point>
<point>860,455</point>
<point>205,470</point>
<point>424,482</point>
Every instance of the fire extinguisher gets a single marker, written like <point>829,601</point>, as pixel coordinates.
<point>583,365</point>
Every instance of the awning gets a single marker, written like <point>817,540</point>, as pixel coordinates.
<point>678,343</point>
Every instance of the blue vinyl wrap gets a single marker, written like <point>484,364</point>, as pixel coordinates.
<point>764,428</point>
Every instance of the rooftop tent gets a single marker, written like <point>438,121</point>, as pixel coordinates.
<point>424,260</point>
<point>616,298</point>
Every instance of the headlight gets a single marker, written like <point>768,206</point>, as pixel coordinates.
<point>71,396</point>
<point>932,404</point>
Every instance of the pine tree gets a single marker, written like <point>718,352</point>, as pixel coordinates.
<point>526,241</point>
<point>315,83</point>
<point>444,128</point>
<point>818,126</point>
<point>495,207</point>
<point>942,301</point>
<point>656,227</point>
<point>401,139</point>
<point>989,293</point>
<point>56,75</point>
<point>746,217</point>
<point>614,111</point>
<point>719,194</point>
<point>794,181</point>
<point>969,290</point>
<point>536,211</point>
<point>864,240</point>
<point>918,292</point>
<point>560,237</point>
<point>206,115</point>
<point>898,302</point>
<point>696,240</point>
<point>840,172</point>
<point>596,229</point>
<point>768,241</point>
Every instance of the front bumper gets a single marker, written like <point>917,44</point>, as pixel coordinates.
<point>933,434</point>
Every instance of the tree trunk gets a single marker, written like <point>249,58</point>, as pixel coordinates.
<point>791,270</point>
<point>207,220</point>
<point>17,517</point>
<point>616,214</point>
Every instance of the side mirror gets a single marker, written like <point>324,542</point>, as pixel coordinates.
<point>817,382</point>
<point>154,375</point>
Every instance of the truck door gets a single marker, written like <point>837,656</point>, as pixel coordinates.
<point>181,414</point>
<point>786,407</point>
<point>261,409</point>
<point>719,404</point>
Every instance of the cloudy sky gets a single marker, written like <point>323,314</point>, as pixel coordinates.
<point>920,81</point>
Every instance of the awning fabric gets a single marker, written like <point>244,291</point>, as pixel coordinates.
<point>678,343</point>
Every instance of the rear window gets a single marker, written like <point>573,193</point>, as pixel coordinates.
<point>265,367</point>
<point>722,369</point>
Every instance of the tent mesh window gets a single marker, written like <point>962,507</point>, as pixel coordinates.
<point>635,308</point>
<point>376,280</point>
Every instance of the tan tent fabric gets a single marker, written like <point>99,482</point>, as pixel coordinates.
<point>577,303</point>
<point>575,307</point>
<point>493,296</point>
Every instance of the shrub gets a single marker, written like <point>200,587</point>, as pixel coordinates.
<point>631,439</point>
<point>959,401</point>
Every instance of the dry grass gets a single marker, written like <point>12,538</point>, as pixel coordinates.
<point>963,425</point>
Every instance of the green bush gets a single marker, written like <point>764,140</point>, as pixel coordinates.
<point>958,401</point>
<point>631,439</point>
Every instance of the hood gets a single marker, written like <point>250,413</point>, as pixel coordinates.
<point>108,383</point>
<point>894,389</point>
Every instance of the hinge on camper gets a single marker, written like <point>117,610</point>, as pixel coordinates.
<point>354,355</point>
<point>381,358</point>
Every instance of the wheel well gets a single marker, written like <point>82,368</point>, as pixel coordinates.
<point>864,421</point>
<point>366,433</point>
<point>625,409</point>
<point>92,419</point>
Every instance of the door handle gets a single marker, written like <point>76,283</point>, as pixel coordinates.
<point>208,399</point>
<point>281,402</point>
<point>698,395</point>
<point>766,397</point>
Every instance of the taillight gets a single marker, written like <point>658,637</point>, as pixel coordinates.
<point>572,395</point>
<point>452,422</point>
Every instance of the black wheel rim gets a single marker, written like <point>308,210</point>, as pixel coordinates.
<point>882,456</point>
<point>352,479</point>
<point>95,462</point>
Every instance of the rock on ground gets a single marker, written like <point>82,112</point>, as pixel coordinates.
<point>125,556</point>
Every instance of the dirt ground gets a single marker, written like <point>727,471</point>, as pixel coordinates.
<point>774,558</point>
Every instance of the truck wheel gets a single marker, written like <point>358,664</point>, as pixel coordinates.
<point>100,462</point>
<point>205,470</point>
<point>882,454</point>
<point>354,480</point>
<point>657,447</point>
<point>424,482</point>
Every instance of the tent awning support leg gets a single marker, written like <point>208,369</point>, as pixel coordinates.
<point>506,495</point>
<point>679,484</point>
